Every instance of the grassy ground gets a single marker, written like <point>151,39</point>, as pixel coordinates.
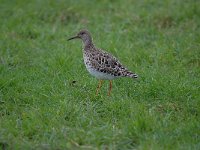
<point>41,107</point>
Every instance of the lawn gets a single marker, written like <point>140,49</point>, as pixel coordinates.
<point>47,97</point>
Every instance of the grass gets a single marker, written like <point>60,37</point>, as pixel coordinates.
<point>42,108</point>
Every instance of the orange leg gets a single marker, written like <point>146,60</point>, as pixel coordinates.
<point>99,86</point>
<point>110,88</point>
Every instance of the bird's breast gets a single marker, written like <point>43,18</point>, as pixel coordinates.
<point>91,68</point>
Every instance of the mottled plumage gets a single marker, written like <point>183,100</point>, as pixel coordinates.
<point>99,63</point>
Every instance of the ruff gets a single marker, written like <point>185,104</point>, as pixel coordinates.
<point>101,64</point>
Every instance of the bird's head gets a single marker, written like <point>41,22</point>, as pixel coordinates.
<point>84,35</point>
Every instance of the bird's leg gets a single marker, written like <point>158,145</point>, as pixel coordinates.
<point>110,88</point>
<point>99,86</point>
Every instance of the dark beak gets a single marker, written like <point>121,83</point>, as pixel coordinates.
<point>75,37</point>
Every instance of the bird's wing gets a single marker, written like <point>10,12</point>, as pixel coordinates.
<point>107,63</point>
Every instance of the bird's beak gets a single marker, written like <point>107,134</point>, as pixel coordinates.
<point>75,37</point>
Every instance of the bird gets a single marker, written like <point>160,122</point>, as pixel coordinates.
<point>99,63</point>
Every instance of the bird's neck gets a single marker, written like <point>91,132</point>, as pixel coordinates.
<point>88,44</point>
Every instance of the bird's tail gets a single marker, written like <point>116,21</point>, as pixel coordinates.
<point>131,75</point>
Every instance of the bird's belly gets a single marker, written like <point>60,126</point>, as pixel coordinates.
<point>95,73</point>
<point>100,75</point>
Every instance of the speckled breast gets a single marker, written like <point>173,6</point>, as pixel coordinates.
<point>94,72</point>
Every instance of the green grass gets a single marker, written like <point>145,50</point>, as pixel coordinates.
<point>40,108</point>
